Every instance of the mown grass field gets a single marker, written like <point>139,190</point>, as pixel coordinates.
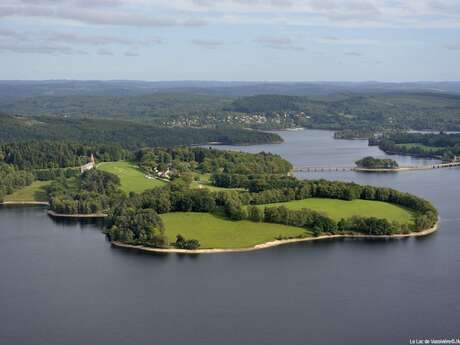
<point>131,176</point>
<point>203,181</point>
<point>34,192</point>
<point>338,209</point>
<point>215,232</point>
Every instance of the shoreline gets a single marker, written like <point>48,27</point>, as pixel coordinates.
<point>270,244</point>
<point>414,155</point>
<point>77,216</point>
<point>24,203</point>
<point>409,168</point>
<point>378,170</point>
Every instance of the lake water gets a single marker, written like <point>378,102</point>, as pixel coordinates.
<point>62,283</point>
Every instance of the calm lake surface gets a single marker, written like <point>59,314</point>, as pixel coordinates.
<point>62,283</point>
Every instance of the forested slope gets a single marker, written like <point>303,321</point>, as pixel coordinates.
<point>357,111</point>
<point>127,134</point>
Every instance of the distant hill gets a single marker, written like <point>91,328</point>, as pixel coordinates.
<point>127,134</point>
<point>159,105</point>
<point>266,103</point>
<point>11,91</point>
<point>364,111</point>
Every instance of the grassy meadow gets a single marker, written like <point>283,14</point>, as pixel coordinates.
<point>131,176</point>
<point>203,181</point>
<point>34,192</point>
<point>133,179</point>
<point>338,209</point>
<point>216,232</point>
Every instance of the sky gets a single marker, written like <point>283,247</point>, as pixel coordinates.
<point>234,40</point>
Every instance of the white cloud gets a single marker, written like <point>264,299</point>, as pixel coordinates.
<point>195,13</point>
<point>105,52</point>
<point>65,42</point>
<point>94,15</point>
<point>28,48</point>
<point>353,53</point>
<point>346,40</point>
<point>279,43</point>
<point>348,13</point>
<point>208,44</point>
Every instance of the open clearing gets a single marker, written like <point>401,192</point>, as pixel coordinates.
<point>132,178</point>
<point>204,181</point>
<point>34,192</point>
<point>338,209</point>
<point>215,232</point>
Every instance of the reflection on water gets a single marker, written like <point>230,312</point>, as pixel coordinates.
<point>82,222</point>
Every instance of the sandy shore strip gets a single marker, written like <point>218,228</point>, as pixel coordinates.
<point>77,216</point>
<point>25,203</point>
<point>272,243</point>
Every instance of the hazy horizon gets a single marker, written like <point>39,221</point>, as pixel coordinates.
<point>236,81</point>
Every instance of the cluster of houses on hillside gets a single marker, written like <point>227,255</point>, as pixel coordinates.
<point>272,119</point>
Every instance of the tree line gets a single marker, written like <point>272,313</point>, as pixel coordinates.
<point>12,179</point>
<point>320,223</point>
<point>236,205</point>
<point>31,155</point>
<point>208,160</point>
<point>130,135</point>
<point>442,145</point>
<point>93,192</point>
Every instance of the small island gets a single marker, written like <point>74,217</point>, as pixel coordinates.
<point>377,164</point>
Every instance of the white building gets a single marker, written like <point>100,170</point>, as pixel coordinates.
<point>88,166</point>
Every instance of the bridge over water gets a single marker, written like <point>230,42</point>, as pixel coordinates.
<point>354,168</point>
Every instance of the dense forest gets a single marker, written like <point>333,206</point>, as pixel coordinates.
<point>127,134</point>
<point>90,193</point>
<point>12,179</point>
<point>183,159</point>
<point>152,106</point>
<point>267,103</point>
<point>58,154</point>
<point>357,112</point>
<point>442,145</point>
